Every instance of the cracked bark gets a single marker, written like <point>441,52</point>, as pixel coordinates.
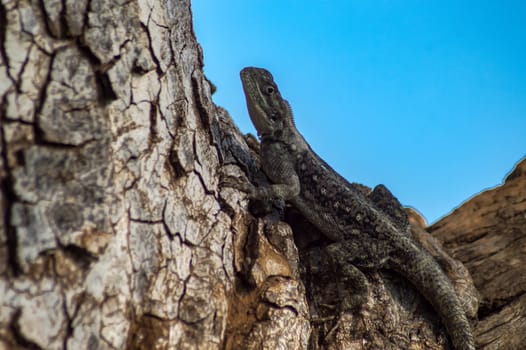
<point>115,233</point>
<point>101,245</point>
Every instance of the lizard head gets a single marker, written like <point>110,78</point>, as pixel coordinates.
<point>269,112</point>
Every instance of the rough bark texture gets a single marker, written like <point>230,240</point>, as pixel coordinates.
<point>115,233</point>
<point>112,233</point>
<point>488,234</point>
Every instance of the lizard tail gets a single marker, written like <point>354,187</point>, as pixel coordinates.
<point>421,269</point>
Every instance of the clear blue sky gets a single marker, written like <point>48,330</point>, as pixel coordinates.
<point>426,97</point>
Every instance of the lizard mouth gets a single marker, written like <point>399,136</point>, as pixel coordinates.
<point>254,100</point>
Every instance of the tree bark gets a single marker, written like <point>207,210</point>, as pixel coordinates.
<point>116,233</point>
<point>113,235</point>
<point>488,234</point>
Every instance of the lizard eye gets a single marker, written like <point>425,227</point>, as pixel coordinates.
<point>269,90</point>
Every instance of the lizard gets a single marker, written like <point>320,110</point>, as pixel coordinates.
<point>362,235</point>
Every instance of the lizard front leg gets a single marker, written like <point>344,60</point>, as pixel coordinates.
<point>285,191</point>
<point>279,169</point>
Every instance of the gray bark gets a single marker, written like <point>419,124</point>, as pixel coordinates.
<point>112,234</point>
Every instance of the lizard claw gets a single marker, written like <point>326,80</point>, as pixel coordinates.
<point>236,183</point>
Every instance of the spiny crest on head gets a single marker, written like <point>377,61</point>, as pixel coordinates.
<point>289,108</point>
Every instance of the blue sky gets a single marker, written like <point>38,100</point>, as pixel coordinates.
<point>426,97</point>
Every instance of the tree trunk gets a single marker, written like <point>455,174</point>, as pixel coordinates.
<point>116,233</point>
<point>113,233</point>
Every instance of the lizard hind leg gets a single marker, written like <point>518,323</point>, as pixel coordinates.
<point>353,286</point>
<point>354,298</point>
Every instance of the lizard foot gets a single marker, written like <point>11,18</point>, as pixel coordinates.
<point>238,184</point>
<point>356,297</point>
<point>354,290</point>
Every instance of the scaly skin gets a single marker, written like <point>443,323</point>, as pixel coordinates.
<point>364,235</point>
